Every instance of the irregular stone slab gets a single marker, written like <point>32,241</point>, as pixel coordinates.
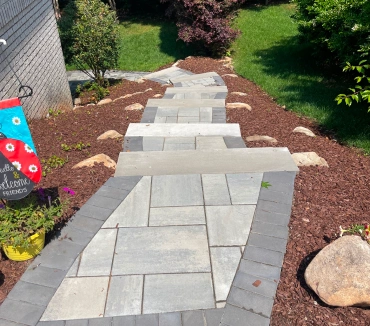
<point>135,106</point>
<point>261,138</point>
<point>70,300</point>
<point>338,274</point>
<point>305,131</point>
<point>230,75</point>
<point>198,89</point>
<point>309,159</point>
<point>112,134</point>
<point>140,80</point>
<point>232,160</point>
<point>229,225</point>
<point>225,261</point>
<point>124,296</point>
<point>161,74</point>
<point>244,188</point>
<point>238,93</point>
<point>189,215</point>
<point>177,292</point>
<point>134,210</point>
<point>105,101</point>
<point>188,103</point>
<point>192,77</point>
<point>238,105</point>
<point>100,158</point>
<point>161,250</point>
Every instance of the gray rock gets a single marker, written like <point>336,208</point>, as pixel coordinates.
<point>261,138</point>
<point>105,101</point>
<point>309,159</point>
<point>110,134</point>
<point>135,106</point>
<point>238,105</point>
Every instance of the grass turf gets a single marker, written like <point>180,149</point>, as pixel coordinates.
<point>269,53</point>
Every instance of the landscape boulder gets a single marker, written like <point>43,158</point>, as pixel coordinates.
<point>110,134</point>
<point>339,274</point>
<point>261,138</point>
<point>105,101</point>
<point>239,93</point>
<point>309,159</point>
<point>238,105</point>
<point>135,106</point>
<point>100,158</point>
<point>305,131</point>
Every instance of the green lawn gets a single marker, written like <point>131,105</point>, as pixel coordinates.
<point>147,45</point>
<point>268,53</point>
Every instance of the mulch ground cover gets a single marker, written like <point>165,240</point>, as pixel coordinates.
<point>324,198</point>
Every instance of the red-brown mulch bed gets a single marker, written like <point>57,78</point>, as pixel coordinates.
<point>324,198</point>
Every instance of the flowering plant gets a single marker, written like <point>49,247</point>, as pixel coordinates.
<point>362,230</point>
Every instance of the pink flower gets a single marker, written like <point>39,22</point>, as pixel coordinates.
<point>69,190</point>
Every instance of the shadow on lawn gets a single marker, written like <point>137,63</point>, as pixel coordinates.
<point>315,88</point>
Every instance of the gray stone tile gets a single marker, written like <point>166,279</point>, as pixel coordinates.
<point>193,318</point>
<point>244,187</point>
<point>133,144</point>
<point>170,319</point>
<point>188,120</point>
<point>85,223</point>
<point>225,261</point>
<point>167,112</point>
<point>153,143</point>
<point>277,231</point>
<point>134,210</point>
<point>188,215</point>
<point>20,312</point>
<point>124,296</point>
<point>72,272</point>
<point>68,233</point>
<point>215,189</point>
<point>180,140</point>
<point>269,206</point>
<point>188,112</point>
<point>255,284</point>
<point>48,323</point>
<point>234,142</point>
<point>259,304</point>
<point>97,259</point>
<point>160,119</point>
<point>50,277</point>
<point>178,292</point>
<point>263,241</point>
<point>104,202</point>
<point>4,322</point>
<point>272,218</point>
<point>178,147</point>
<point>176,190</point>
<point>124,183</point>
<point>77,322</point>
<point>161,250</point>
<point>97,213</point>
<point>260,270</point>
<point>32,293</point>
<point>265,256</point>
<point>278,197</point>
<point>213,316</point>
<point>123,321</point>
<point>210,142</point>
<point>229,225</point>
<point>111,192</point>
<point>64,305</point>
<point>147,320</point>
<point>237,316</point>
<point>220,305</point>
<point>171,119</point>
<point>279,178</point>
<point>149,115</point>
<point>205,114</point>
<point>100,322</point>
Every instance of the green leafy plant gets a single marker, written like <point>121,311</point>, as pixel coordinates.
<point>53,162</point>
<point>54,113</point>
<point>265,184</point>
<point>78,147</point>
<point>362,230</point>
<point>65,147</point>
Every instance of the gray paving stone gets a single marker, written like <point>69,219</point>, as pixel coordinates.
<point>265,256</point>
<point>220,305</point>
<point>97,259</point>
<point>278,178</point>
<point>221,95</point>
<point>167,112</point>
<point>103,202</point>
<point>149,115</point>
<point>176,190</point>
<point>179,143</point>
<point>193,77</point>
<point>49,323</point>
<point>234,142</point>
<point>50,277</point>
<point>213,316</point>
<point>278,197</point>
<point>134,210</point>
<point>197,89</point>
<point>188,120</point>
<point>160,119</point>
<point>260,270</point>
<point>111,192</point>
<point>77,322</point>
<point>68,233</point>
<point>32,293</point>
<point>161,103</point>
<point>229,225</point>
<point>4,322</point>
<point>123,321</point>
<point>237,316</point>
<point>277,231</point>
<point>244,187</point>
<point>20,312</point>
<point>193,318</point>
<point>72,272</point>
<point>255,284</point>
<point>263,241</point>
<point>132,144</point>
<point>161,250</point>
<point>171,120</point>
<point>124,296</point>
<point>188,215</point>
<point>210,142</point>
<point>233,160</point>
<point>251,301</point>
<point>147,320</point>
<point>85,223</point>
<point>98,213</point>
<point>272,217</point>
<point>153,143</point>
<point>170,319</point>
<point>215,189</point>
<point>66,306</point>
<point>100,322</point>
<point>225,261</point>
<point>205,114</point>
<point>124,183</point>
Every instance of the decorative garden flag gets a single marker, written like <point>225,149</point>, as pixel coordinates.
<point>20,168</point>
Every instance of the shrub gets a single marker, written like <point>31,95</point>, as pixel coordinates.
<point>205,23</point>
<point>337,28</point>
<point>95,35</point>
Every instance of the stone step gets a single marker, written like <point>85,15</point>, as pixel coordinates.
<point>196,92</point>
<point>185,103</point>
<point>238,160</point>
<point>164,76</point>
<point>197,88</point>
<point>182,130</point>
<point>194,77</point>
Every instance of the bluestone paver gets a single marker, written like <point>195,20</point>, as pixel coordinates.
<point>277,231</point>
<point>280,178</point>
<point>69,233</point>
<point>221,231</point>
<point>32,293</point>
<point>213,316</point>
<point>234,142</point>
<point>153,143</point>
<point>99,213</point>
<point>103,202</point>
<point>96,259</point>
<point>147,320</point>
<point>267,242</point>
<point>255,284</point>
<point>179,143</point>
<point>100,322</point>
<point>124,296</point>
<point>188,215</point>
<point>216,191</point>
<point>165,112</point>
<point>225,261</point>
<point>133,144</point>
<point>123,183</point>
<point>260,270</point>
<point>161,250</point>
<point>178,292</point>
<point>193,318</point>
<point>237,316</point>
<point>85,223</point>
<point>50,277</point>
<point>278,208</point>
<point>77,322</point>
<point>72,272</point>
<point>123,321</point>
<point>176,190</point>
<point>271,217</point>
<point>275,196</point>
<point>244,187</point>
<point>170,319</point>
<point>134,210</point>
<point>20,312</point>
<point>265,256</point>
<point>66,306</point>
<point>149,115</point>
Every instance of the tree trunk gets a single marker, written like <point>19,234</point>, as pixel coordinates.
<point>56,9</point>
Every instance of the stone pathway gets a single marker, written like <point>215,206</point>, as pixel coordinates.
<point>183,235</point>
